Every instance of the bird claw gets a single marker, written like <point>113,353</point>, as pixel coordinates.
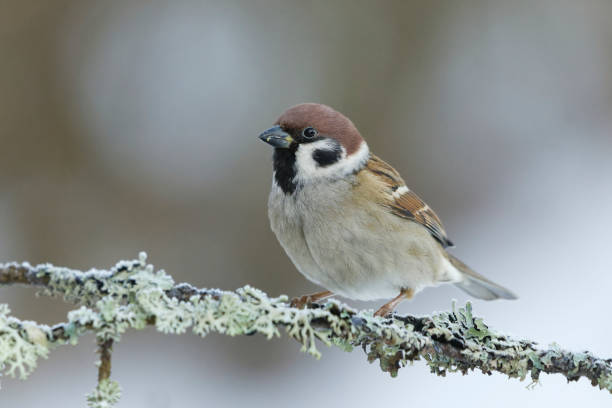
<point>383,312</point>
<point>306,300</point>
<point>301,302</point>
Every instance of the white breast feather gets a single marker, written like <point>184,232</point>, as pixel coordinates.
<point>360,253</point>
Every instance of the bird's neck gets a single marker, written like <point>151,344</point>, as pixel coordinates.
<point>314,164</point>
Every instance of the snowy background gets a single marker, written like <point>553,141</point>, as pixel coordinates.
<point>132,125</point>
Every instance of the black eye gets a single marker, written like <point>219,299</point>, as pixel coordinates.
<point>309,132</point>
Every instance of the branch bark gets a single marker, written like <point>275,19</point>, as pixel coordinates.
<point>105,348</point>
<point>132,295</point>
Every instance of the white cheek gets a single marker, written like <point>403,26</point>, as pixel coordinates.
<point>305,165</point>
<point>308,169</point>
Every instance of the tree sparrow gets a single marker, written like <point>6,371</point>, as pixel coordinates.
<point>348,221</point>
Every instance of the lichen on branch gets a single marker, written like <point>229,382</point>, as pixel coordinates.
<point>132,295</point>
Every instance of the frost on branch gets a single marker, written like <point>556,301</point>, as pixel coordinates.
<point>106,394</point>
<point>21,343</point>
<point>133,295</point>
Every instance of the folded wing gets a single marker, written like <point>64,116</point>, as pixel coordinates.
<point>405,203</point>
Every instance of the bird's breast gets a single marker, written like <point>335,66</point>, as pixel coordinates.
<point>356,250</point>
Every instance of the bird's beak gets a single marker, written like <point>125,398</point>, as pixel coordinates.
<point>277,137</point>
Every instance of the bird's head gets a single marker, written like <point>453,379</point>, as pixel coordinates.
<point>314,142</point>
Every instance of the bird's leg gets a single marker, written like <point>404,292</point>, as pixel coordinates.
<point>387,308</point>
<point>305,300</point>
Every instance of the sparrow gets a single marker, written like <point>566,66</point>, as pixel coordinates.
<point>348,221</point>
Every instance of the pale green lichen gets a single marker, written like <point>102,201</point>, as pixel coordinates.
<point>20,345</point>
<point>105,395</point>
<point>605,382</point>
<point>132,295</point>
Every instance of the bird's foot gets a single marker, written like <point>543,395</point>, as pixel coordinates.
<point>384,311</point>
<point>306,300</point>
<point>301,302</point>
<point>389,307</point>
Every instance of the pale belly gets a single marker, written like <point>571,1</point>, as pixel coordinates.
<point>356,252</point>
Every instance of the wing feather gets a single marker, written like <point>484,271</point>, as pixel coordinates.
<point>405,203</point>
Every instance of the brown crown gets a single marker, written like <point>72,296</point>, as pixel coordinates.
<point>326,121</point>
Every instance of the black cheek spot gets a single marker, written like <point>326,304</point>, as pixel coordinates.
<point>325,157</point>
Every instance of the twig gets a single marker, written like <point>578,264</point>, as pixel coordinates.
<point>132,295</point>
<point>105,348</point>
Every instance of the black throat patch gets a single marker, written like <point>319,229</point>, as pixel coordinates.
<point>284,169</point>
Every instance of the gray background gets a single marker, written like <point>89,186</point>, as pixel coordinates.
<point>132,125</point>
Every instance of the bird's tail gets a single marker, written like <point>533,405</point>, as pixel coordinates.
<point>477,285</point>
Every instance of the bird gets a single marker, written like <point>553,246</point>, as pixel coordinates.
<point>348,221</point>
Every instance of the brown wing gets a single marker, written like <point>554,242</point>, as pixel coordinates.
<point>405,203</point>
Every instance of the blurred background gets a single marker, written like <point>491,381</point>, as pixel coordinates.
<point>132,125</point>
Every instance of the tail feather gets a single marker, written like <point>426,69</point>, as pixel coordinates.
<point>477,285</point>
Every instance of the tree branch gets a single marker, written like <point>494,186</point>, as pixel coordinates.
<point>132,295</point>
<point>105,348</point>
